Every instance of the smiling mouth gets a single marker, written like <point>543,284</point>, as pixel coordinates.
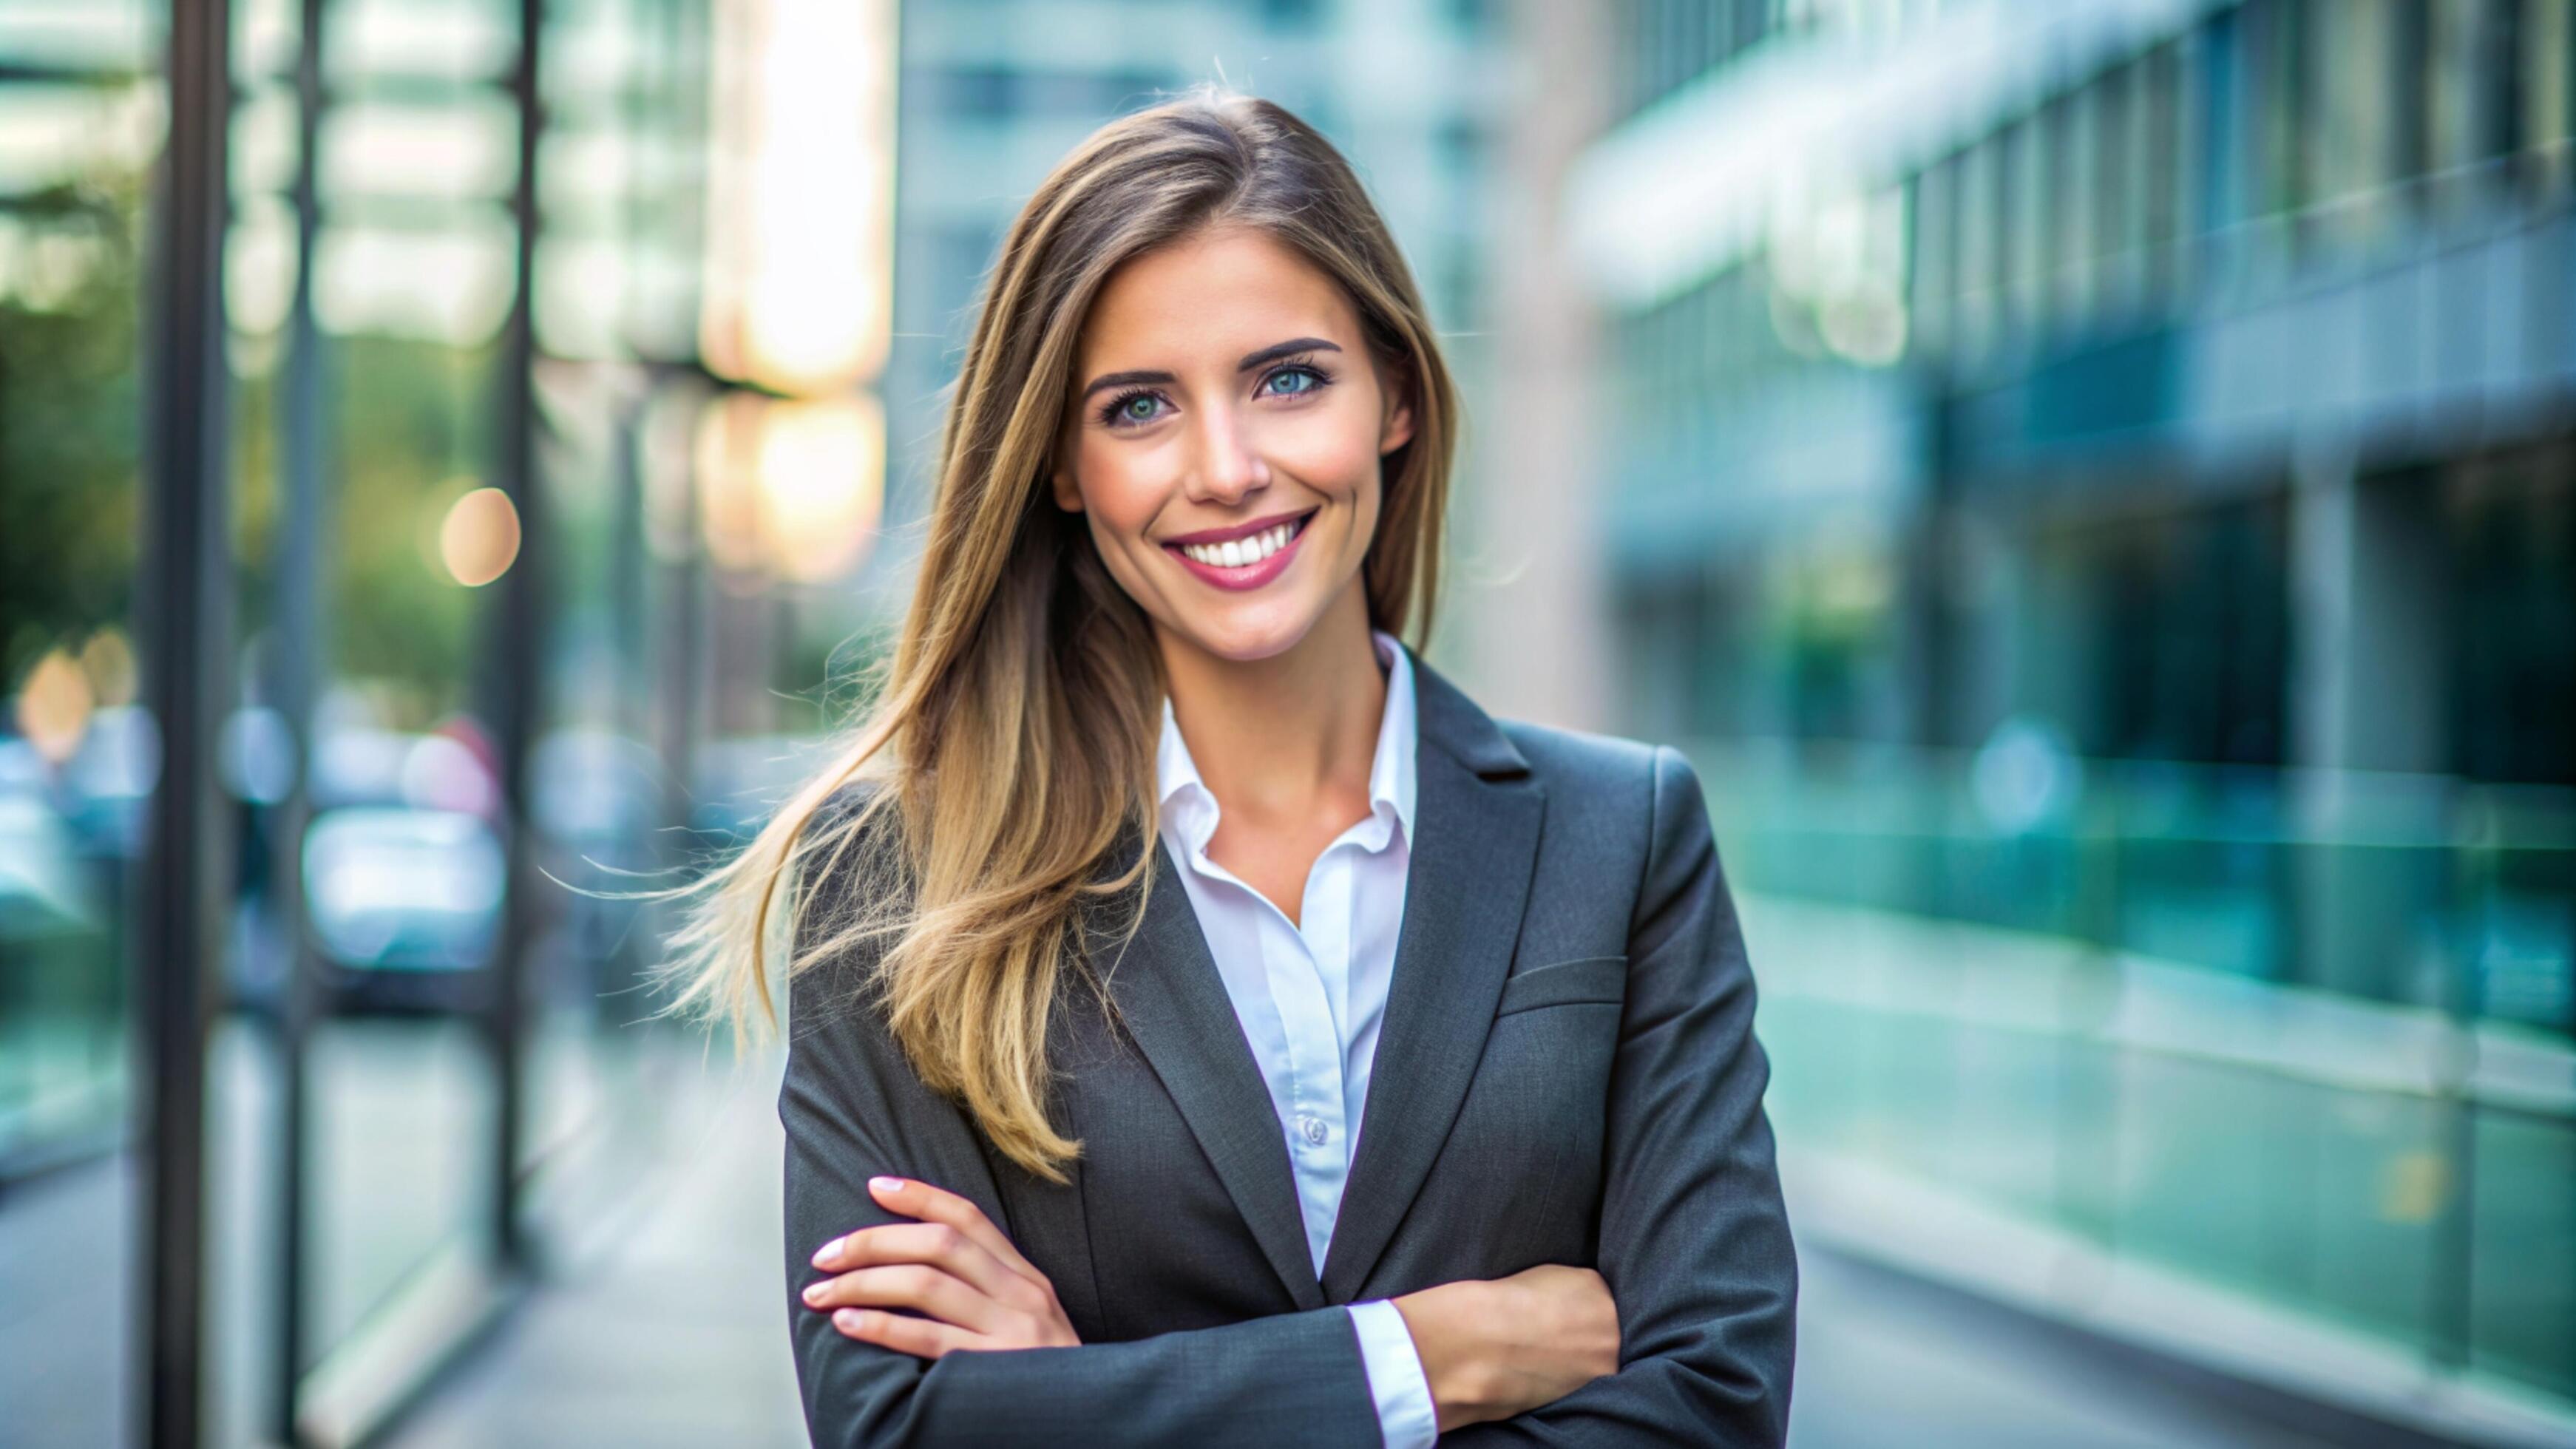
<point>1245,552</point>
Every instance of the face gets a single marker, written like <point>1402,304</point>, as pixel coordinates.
<point>1224,441</point>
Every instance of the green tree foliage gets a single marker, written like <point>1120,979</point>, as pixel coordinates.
<point>70,405</point>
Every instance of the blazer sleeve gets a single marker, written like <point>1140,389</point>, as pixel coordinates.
<point>852,1108</point>
<point>1694,1240</point>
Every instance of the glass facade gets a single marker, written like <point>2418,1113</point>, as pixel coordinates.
<point>2108,526</point>
<point>491,372</point>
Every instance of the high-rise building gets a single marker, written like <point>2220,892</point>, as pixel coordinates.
<point>2098,481</point>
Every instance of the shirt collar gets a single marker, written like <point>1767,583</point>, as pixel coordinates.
<point>1190,810</point>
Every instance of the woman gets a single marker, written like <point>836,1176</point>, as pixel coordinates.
<point>1201,1009</point>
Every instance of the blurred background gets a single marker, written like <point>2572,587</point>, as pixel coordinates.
<point>2092,484</point>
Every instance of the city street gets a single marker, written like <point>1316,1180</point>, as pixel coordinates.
<point>670,1334</point>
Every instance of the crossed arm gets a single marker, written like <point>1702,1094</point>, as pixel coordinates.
<point>853,1109</point>
<point>1694,1241</point>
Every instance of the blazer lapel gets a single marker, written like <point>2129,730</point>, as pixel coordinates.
<point>1477,813</point>
<point>1175,1005</point>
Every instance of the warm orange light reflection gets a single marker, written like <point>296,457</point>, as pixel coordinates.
<point>480,539</point>
<point>821,480</point>
<point>801,194</point>
<point>54,706</point>
<point>792,489</point>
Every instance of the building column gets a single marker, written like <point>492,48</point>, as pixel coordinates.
<point>2368,569</point>
<point>2366,711</point>
<point>1531,591</point>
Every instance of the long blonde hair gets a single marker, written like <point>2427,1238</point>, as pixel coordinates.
<point>1013,729</point>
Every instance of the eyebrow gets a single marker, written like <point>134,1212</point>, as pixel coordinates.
<point>1249,361</point>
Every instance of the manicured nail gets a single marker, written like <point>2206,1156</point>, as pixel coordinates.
<point>885,1184</point>
<point>846,1318</point>
<point>828,1251</point>
<point>813,1292</point>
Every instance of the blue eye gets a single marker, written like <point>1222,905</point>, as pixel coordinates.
<point>1124,410</point>
<point>1313,381</point>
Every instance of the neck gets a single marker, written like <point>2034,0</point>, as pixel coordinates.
<point>1284,736</point>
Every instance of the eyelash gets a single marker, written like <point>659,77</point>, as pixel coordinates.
<point>1108,414</point>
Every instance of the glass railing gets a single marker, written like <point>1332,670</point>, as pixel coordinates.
<point>62,980</point>
<point>2302,1037</point>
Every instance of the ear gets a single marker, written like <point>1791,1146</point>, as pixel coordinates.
<point>1068,496</point>
<point>1398,429</point>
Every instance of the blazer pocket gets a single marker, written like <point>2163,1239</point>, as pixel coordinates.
<point>1602,979</point>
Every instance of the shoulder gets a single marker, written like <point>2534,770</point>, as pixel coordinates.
<point>1605,785</point>
<point>1611,783</point>
<point>1581,758</point>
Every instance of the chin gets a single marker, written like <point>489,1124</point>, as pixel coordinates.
<point>1244,633</point>
<point>1245,642</point>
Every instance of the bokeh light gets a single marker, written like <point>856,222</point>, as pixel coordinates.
<point>479,538</point>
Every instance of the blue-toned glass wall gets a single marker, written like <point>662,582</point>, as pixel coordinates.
<point>81,101</point>
<point>571,273</point>
<point>78,134</point>
<point>2100,494</point>
<point>363,447</point>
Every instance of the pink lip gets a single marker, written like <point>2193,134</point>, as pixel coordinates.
<point>1240,530</point>
<point>1248,576</point>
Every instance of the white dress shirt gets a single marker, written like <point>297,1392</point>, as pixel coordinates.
<point>1310,996</point>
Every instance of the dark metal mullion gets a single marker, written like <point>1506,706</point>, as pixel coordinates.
<point>303,427</point>
<point>184,618</point>
<point>514,657</point>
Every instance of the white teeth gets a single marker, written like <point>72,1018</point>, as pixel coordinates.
<point>1236,553</point>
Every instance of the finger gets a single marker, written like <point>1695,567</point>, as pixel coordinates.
<point>909,1285</point>
<point>921,1337</point>
<point>936,1244</point>
<point>938,1205</point>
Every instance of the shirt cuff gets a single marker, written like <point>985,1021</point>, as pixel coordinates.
<point>1405,1413</point>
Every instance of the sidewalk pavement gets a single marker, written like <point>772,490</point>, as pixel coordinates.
<point>664,1324</point>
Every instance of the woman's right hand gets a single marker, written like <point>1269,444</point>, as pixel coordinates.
<point>1492,1348</point>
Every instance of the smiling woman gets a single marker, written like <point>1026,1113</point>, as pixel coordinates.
<point>1241,413</point>
<point>1160,837</point>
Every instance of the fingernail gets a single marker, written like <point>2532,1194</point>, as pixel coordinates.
<point>846,1318</point>
<point>813,1292</point>
<point>828,1251</point>
<point>885,1184</point>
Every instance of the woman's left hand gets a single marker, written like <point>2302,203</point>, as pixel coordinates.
<point>953,1265</point>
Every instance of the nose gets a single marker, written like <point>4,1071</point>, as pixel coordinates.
<point>1229,466</point>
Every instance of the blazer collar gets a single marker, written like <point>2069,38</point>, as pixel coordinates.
<point>1479,812</point>
<point>1455,724</point>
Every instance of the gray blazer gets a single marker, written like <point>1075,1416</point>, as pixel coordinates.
<point>1567,1073</point>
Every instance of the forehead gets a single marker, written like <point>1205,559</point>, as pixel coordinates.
<point>1218,293</point>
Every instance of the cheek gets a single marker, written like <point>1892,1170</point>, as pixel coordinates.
<point>1122,488</point>
<point>1334,451</point>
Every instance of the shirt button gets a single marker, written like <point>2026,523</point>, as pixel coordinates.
<point>1314,1129</point>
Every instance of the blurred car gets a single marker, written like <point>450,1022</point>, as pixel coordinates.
<point>404,870</point>
<point>406,866</point>
<point>399,888</point>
